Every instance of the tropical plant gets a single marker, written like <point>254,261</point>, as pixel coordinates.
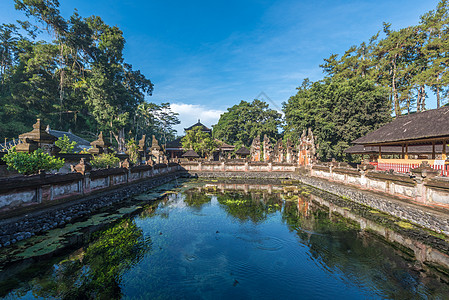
<point>32,163</point>
<point>132,149</point>
<point>105,160</point>
<point>247,120</point>
<point>65,144</point>
<point>338,111</point>
<point>201,142</point>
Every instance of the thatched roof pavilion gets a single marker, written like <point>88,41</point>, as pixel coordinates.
<point>190,154</point>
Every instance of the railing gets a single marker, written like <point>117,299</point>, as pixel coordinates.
<point>405,165</point>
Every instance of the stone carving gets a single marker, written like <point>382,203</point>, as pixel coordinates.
<point>142,144</point>
<point>157,152</point>
<point>125,164</point>
<point>289,156</point>
<point>37,138</point>
<point>82,167</point>
<point>100,145</point>
<point>255,149</point>
<point>424,171</point>
<point>278,152</point>
<point>267,149</point>
<point>306,148</point>
<point>142,149</point>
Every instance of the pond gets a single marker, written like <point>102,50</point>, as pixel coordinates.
<point>209,241</point>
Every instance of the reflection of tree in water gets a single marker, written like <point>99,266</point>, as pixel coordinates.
<point>96,272</point>
<point>340,246</point>
<point>196,199</point>
<point>149,210</point>
<point>253,207</point>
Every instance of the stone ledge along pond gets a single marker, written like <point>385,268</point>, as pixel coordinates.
<point>216,240</point>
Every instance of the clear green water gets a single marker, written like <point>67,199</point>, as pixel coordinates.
<point>192,245</point>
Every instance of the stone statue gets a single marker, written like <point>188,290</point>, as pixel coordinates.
<point>267,149</point>
<point>255,149</point>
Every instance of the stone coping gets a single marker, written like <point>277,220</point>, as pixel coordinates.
<point>438,183</point>
<point>36,180</point>
<point>404,179</point>
<point>160,166</point>
<point>346,171</point>
<point>136,169</point>
<point>320,168</point>
<point>107,172</point>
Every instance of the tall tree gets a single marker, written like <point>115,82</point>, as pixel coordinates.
<point>152,119</point>
<point>338,111</point>
<point>247,120</point>
<point>199,141</point>
<point>435,24</point>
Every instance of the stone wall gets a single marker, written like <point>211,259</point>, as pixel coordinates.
<point>43,189</point>
<point>428,191</point>
<point>412,212</point>
<point>234,166</point>
<point>23,226</point>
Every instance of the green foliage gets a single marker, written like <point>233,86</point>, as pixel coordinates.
<point>105,160</point>
<point>49,79</point>
<point>201,142</point>
<point>31,163</point>
<point>247,120</point>
<point>157,120</point>
<point>250,208</point>
<point>132,149</point>
<point>338,111</point>
<point>65,144</point>
<point>404,61</point>
<point>96,271</point>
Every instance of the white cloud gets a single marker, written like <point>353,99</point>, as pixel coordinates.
<point>190,113</point>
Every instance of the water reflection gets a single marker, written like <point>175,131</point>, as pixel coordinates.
<point>254,207</point>
<point>94,271</point>
<point>243,241</point>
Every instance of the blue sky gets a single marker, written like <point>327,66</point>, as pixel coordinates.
<point>205,56</point>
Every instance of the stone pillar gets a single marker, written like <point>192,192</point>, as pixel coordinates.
<point>100,145</point>
<point>37,138</point>
<point>423,173</point>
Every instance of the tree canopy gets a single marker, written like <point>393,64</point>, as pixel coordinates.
<point>407,61</point>
<point>199,141</point>
<point>247,120</point>
<point>338,111</point>
<point>79,80</point>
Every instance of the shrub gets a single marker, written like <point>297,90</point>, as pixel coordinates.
<point>31,163</point>
<point>65,144</point>
<point>105,160</point>
<point>132,149</point>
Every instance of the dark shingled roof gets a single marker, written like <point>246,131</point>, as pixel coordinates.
<point>80,142</point>
<point>190,153</point>
<point>223,145</point>
<point>415,149</point>
<point>428,124</point>
<point>203,128</point>
<point>174,144</point>
<point>243,151</point>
